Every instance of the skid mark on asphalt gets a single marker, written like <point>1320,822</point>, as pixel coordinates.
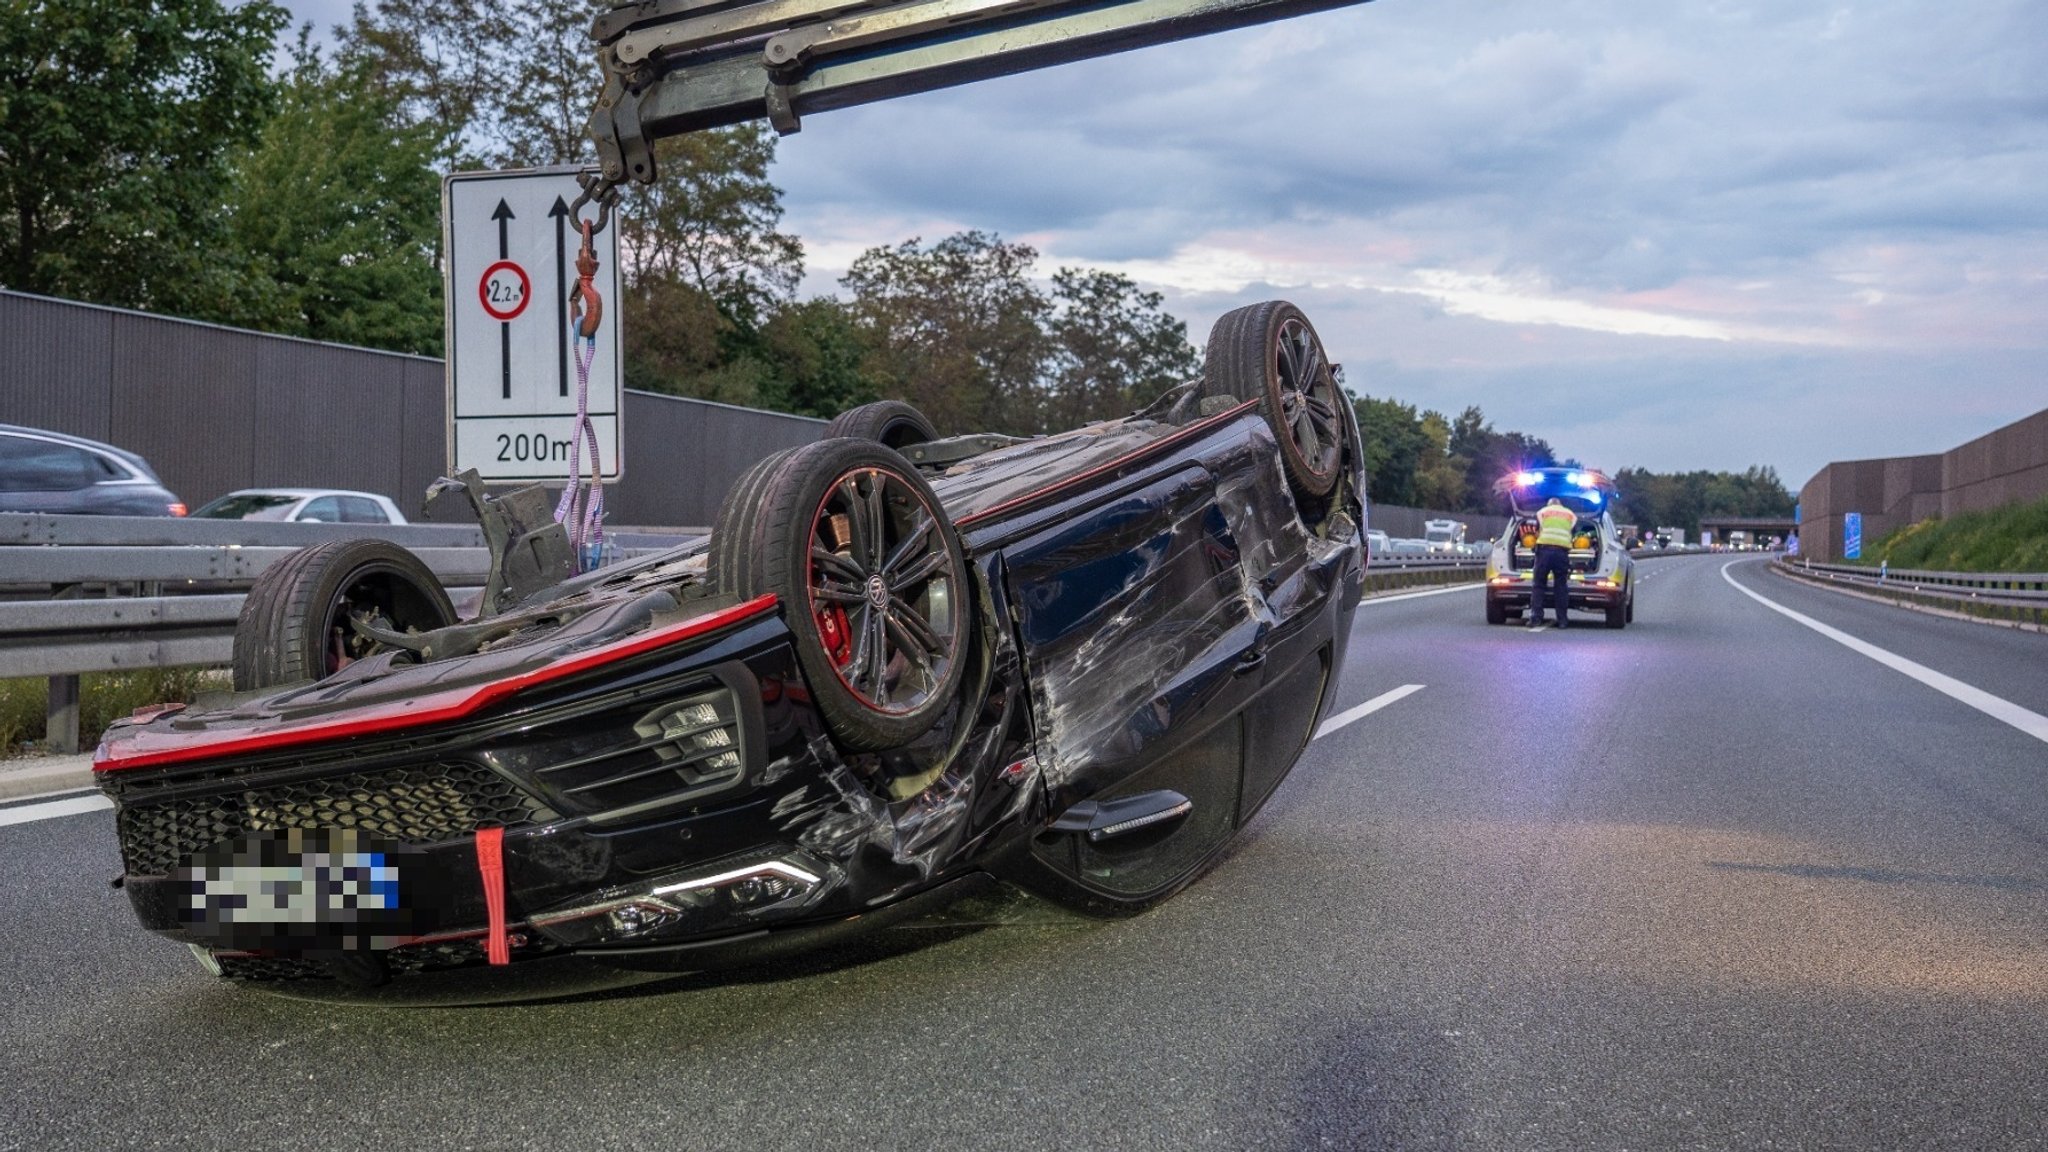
<point>50,810</point>
<point>1997,707</point>
<point>1353,715</point>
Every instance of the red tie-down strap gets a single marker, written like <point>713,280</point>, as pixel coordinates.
<point>490,864</point>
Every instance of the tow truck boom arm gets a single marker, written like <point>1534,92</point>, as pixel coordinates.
<point>675,66</point>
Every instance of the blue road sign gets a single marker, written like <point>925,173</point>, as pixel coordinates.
<point>1852,535</point>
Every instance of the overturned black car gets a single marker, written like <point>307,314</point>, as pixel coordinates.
<point>899,663</point>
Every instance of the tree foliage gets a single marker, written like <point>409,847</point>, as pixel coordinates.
<point>957,329</point>
<point>118,122</point>
<point>335,211</point>
<point>1679,499</point>
<point>1114,348</point>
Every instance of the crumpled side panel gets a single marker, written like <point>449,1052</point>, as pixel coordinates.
<point>1132,616</point>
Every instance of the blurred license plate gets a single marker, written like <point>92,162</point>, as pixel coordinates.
<point>307,890</point>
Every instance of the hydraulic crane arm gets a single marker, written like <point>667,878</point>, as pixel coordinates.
<point>675,66</point>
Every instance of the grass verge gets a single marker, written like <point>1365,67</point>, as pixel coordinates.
<point>2009,539</point>
<point>103,697</point>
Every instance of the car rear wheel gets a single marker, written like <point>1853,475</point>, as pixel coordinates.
<point>1617,615</point>
<point>872,580</point>
<point>295,622</point>
<point>1269,352</point>
<point>1630,615</point>
<point>1496,612</point>
<point>890,422</point>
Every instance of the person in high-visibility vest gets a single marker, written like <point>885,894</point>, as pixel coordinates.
<point>1554,524</point>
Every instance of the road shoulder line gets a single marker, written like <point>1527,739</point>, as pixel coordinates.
<point>1392,596</point>
<point>1353,715</point>
<point>50,810</point>
<point>1998,708</point>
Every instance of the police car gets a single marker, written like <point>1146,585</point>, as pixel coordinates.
<point>1602,572</point>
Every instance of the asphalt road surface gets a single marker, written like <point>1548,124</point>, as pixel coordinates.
<point>1714,881</point>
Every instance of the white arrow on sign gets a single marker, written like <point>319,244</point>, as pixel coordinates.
<point>511,393</point>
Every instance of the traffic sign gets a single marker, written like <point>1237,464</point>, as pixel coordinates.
<point>508,236</point>
<point>1852,535</point>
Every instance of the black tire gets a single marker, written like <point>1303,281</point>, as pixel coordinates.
<point>890,422</point>
<point>1496,612</point>
<point>1629,617</point>
<point>294,622</point>
<point>1270,353</point>
<point>1617,616</point>
<point>871,577</point>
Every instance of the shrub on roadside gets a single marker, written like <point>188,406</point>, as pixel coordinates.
<point>103,697</point>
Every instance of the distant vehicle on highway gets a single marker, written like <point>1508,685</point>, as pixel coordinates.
<point>1407,547</point>
<point>51,472</point>
<point>1376,542</point>
<point>1443,535</point>
<point>1603,575</point>
<point>304,506</point>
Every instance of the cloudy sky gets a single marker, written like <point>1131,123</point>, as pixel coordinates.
<point>1677,236</point>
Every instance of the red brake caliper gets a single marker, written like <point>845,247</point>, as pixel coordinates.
<point>836,633</point>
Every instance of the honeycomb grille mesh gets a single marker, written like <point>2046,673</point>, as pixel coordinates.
<point>415,805</point>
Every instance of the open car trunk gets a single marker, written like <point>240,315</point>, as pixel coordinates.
<point>1523,558</point>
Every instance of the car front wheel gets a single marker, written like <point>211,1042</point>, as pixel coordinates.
<point>871,577</point>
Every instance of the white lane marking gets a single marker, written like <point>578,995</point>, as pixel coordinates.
<point>1353,715</point>
<point>1998,708</point>
<point>29,813</point>
<point>1415,595</point>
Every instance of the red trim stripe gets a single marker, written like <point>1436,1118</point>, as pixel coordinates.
<point>147,749</point>
<point>1128,458</point>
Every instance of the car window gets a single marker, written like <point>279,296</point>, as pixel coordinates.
<point>361,510</point>
<point>248,506</point>
<point>326,510</point>
<point>30,465</point>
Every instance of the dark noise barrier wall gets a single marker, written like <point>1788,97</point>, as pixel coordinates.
<point>214,409</point>
<point>2006,466</point>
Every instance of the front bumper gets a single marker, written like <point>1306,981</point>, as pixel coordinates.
<point>680,797</point>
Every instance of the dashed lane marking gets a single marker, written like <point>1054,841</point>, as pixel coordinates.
<point>50,810</point>
<point>1998,708</point>
<point>1354,715</point>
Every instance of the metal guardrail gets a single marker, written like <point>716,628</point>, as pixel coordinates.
<point>119,593</point>
<point>2008,595</point>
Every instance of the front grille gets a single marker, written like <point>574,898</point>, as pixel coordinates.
<point>416,805</point>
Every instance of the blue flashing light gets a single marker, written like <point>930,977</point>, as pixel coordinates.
<point>1579,480</point>
<point>1526,479</point>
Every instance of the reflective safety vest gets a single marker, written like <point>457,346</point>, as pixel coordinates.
<point>1554,523</point>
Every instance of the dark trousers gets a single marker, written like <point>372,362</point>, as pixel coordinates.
<point>1551,561</point>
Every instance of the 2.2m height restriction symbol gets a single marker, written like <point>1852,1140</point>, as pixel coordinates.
<point>504,291</point>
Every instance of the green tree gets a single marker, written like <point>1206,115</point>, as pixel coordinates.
<point>1439,475</point>
<point>336,210</point>
<point>1489,455</point>
<point>1680,499</point>
<point>1113,348</point>
<point>1395,447</point>
<point>541,114</point>
<point>445,61</point>
<point>706,266</point>
<point>957,329</point>
<point>117,122</point>
<point>819,360</point>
